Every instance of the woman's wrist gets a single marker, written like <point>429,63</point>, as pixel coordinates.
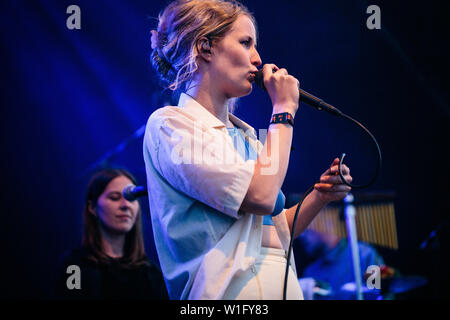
<point>318,199</point>
<point>280,108</point>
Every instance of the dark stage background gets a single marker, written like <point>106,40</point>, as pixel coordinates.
<point>71,96</point>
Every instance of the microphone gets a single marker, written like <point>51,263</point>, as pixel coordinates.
<point>132,192</point>
<point>305,97</point>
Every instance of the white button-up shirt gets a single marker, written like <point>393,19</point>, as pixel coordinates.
<point>197,182</point>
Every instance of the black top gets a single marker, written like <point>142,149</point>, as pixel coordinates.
<point>108,281</point>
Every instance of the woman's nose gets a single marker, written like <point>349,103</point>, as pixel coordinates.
<point>256,59</point>
<point>125,204</point>
<point>128,205</point>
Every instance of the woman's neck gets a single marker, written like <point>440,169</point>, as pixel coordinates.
<point>112,244</point>
<point>215,103</point>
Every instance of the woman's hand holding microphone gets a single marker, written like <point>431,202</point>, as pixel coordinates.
<point>282,89</point>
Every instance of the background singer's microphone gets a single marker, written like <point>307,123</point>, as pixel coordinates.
<point>132,192</point>
<point>305,97</point>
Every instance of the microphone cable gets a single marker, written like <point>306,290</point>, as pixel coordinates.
<point>341,160</point>
<point>288,259</point>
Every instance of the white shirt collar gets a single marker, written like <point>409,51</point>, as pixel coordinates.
<point>202,114</point>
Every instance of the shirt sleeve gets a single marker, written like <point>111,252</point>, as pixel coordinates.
<point>201,162</point>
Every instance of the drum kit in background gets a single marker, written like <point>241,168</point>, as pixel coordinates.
<point>396,287</point>
<point>375,223</point>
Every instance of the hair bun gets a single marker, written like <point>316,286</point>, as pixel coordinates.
<point>163,67</point>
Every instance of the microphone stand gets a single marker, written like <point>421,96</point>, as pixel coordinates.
<point>350,214</point>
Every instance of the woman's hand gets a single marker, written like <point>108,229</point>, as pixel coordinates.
<point>331,188</point>
<point>282,89</point>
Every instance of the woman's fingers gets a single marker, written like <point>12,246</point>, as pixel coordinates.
<point>268,70</point>
<point>282,71</point>
<point>335,179</point>
<point>326,187</point>
<point>331,185</point>
<point>334,169</point>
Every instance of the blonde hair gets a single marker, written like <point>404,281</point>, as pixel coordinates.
<point>180,26</point>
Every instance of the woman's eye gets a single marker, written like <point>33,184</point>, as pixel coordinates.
<point>246,43</point>
<point>114,197</point>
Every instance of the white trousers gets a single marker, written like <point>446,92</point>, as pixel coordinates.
<point>265,279</point>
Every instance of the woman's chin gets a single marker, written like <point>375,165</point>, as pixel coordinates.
<point>121,229</point>
<point>250,89</point>
<point>246,91</point>
<point>241,91</point>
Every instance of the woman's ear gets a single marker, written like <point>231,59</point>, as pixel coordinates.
<point>91,208</point>
<point>204,48</point>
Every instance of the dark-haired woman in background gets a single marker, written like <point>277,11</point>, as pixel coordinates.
<point>112,261</point>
